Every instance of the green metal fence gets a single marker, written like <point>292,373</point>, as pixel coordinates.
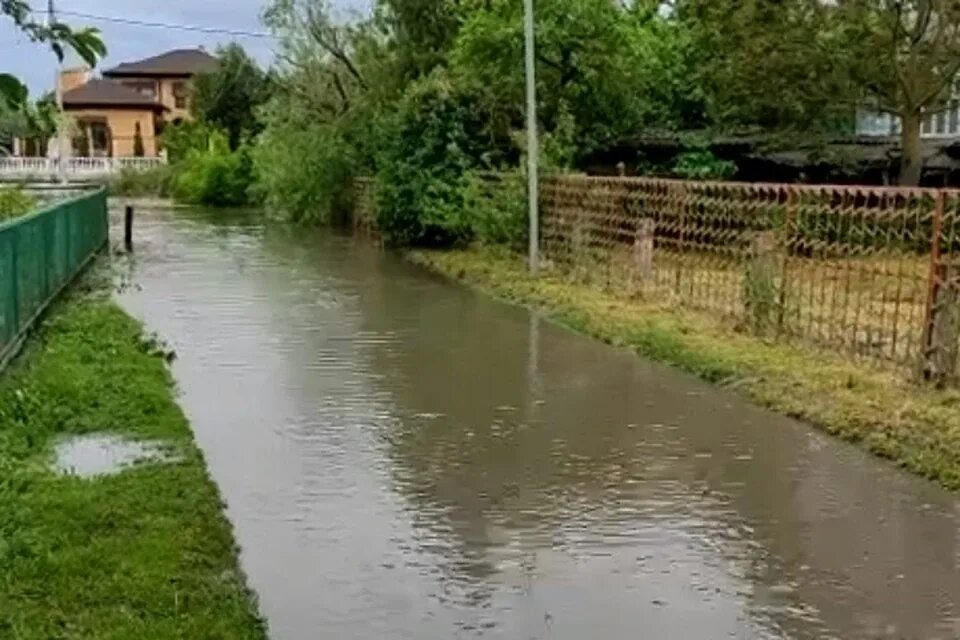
<point>40,254</point>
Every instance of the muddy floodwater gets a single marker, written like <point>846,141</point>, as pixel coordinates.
<point>405,458</point>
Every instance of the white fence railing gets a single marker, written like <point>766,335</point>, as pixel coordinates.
<point>16,168</point>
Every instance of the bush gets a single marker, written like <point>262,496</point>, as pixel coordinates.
<point>15,202</point>
<point>154,182</point>
<point>496,207</point>
<point>215,175</point>
<point>428,145</point>
<point>180,139</point>
<point>702,164</point>
<point>302,167</point>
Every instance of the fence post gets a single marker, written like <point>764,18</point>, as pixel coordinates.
<point>942,318</point>
<point>760,286</point>
<point>643,250</point>
<point>128,228</point>
<point>788,238</point>
<point>681,230</point>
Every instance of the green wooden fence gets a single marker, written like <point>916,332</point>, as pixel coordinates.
<point>40,254</point>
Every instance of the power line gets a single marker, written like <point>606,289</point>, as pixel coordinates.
<point>166,25</point>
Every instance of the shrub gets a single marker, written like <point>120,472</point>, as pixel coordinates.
<point>153,182</point>
<point>182,138</point>
<point>702,164</point>
<point>496,207</point>
<point>15,202</point>
<point>302,167</point>
<point>215,175</point>
<point>428,145</point>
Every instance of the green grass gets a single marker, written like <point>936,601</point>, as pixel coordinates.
<point>137,183</point>
<point>915,426</point>
<point>15,202</point>
<point>144,554</point>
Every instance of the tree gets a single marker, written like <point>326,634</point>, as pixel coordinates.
<point>774,66</point>
<point>905,58</point>
<point>35,123</point>
<point>806,66</point>
<point>614,70</point>
<point>86,42</point>
<point>229,96</point>
<point>138,151</point>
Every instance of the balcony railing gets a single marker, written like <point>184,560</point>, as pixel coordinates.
<point>17,168</point>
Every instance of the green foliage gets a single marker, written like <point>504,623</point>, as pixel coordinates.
<point>214,175</point>
<point>496,207</point>
<point>86,42</point>
<point>228,97</point>
<point>302,166</point>
<point>155,182</point>
<point>182,138</point>
<point>13,93</point>
<point>613,71</point>
<point>702,164</point>
<point>14,202</point>
<point>427,147</point>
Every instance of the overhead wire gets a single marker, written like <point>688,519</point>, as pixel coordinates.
<point>166,25</point>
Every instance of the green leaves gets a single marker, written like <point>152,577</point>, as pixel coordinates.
<point>229,96</point>
<point>13,93</point>
<point>86,42</point>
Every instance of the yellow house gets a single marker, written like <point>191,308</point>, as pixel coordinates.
<point>122,114</point>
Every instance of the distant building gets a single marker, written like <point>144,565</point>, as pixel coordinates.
<point>122,114</point>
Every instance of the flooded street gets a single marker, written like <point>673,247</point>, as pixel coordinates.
<point>402,457</point>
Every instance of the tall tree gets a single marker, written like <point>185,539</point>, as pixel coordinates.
<point>614,70</point>
<point>807,65</point>
<point>905,58</point>
<point>229,96</point>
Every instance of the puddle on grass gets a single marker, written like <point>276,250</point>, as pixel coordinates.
<point>103,454</point>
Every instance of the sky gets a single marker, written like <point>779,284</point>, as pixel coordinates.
<point>36,65</point>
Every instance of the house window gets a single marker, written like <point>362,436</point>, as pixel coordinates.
<point>100,139</point>
<point>145,87</point>
<point>180,95</point>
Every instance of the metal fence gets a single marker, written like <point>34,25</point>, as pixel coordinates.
<point>40,254</point>
<point>873,272</point>
<point>868,271</point>
<point>364,211</point>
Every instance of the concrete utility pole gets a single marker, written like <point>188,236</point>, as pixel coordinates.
<point>61,133</point>
<point>533,191</point>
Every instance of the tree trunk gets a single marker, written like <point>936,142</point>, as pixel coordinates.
<point>911,158</point>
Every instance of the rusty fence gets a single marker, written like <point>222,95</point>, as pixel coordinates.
<point>363,208</point>
<point>872,272</point>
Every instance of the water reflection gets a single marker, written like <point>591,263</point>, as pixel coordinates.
<point>406,458</point>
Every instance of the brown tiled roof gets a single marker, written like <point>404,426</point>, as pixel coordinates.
<point>179,62</point>
<point>107,93</point>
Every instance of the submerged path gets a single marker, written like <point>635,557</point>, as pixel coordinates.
<point>405,458</point>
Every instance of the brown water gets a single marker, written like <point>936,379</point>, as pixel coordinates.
<point>405,458</point>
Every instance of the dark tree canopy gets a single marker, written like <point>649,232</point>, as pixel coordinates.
<point>228,97</point>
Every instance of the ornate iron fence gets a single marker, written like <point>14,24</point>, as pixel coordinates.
<point>873,272</point>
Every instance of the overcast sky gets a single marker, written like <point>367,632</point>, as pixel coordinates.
<point>36,64</point>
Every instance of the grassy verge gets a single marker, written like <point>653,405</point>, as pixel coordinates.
<point>917,427</point>
<point>146,553</point>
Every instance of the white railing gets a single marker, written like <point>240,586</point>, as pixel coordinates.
<point>16,168</point>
